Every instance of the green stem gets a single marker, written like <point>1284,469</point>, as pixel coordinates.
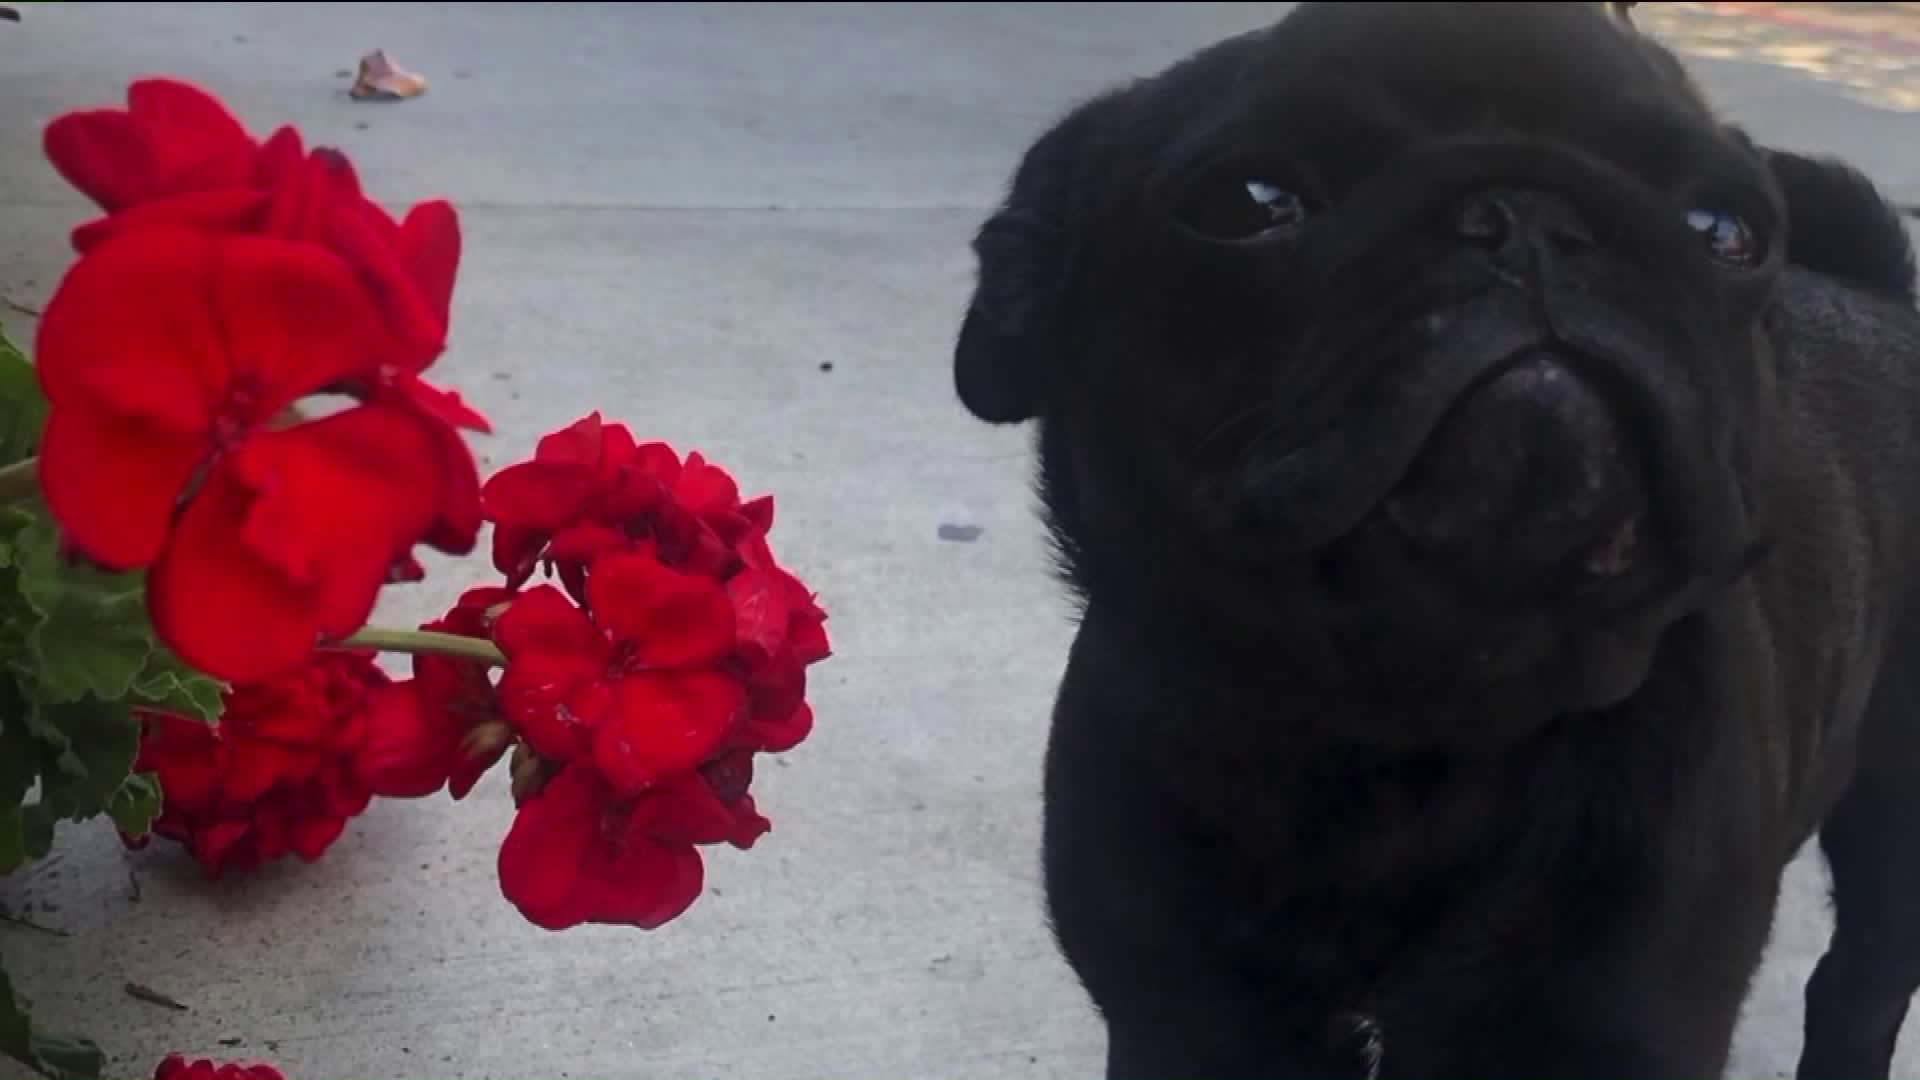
<point>425,643</point>
<point>19,481</point>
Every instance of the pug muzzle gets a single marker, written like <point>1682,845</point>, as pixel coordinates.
<point>1526,463</point>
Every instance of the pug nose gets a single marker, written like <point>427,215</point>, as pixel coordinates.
<point>1533,478</point>
<point>1507,221</point>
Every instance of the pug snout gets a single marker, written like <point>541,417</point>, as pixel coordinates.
<point>1532,477</point>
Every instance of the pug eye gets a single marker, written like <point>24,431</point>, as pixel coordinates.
<point>1729,238</point>
<point>1243,209</point>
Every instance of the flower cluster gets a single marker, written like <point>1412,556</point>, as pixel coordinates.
<point>280,773</point>
<point>229,281</point>
<point>639,690</point>
<point>635,697</point>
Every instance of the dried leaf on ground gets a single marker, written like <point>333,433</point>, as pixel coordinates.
<point>380,79</point>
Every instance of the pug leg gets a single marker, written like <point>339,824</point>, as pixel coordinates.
<point>1858,996</point>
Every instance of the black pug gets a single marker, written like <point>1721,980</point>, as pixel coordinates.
<point>1492,486</point>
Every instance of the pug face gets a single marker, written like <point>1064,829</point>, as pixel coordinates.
<point>1414,350</point>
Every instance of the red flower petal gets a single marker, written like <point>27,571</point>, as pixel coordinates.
<point>186,756</point>
<point>748,825</point>
<point>130,329</point>
<point>197,144</point>
<point>673,619</point>
<point>429,245</point>
<point>103,153</point>
<point>579,443</point>
<point>172,138</point>
<point>379,461</point>
<point>254,766</point>
<point>516,552</point>
<point>309,838</point>
<point>760,612</point>
<point>260,624</point>
<point>306,197</point>
<point>472,764</point>
<point>456,531</point>
<point>265,536</point>
<point>537,496</point>
<point>663,724</point>
<point>543,620</point>
<point>229,210</point>
<point>218,315</point>
<point>759,514</point>
<point>223,847</point>
<point>296,319</point>
<point>781,734</point>
<point>685,810</point>
<point>365,235</point>
<point>443,405</point>
<point>705,488</point>
<point>554,700</point>
<point>584,544</point>
<point>617,447</point>
<point>411,747</point>
<point>281,156</point>
<point>574,856</point>
<point>112,485</point>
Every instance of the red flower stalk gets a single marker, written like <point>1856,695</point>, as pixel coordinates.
<point>276,776</point>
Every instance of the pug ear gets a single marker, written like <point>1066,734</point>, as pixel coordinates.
<point>1007,353</point>
<point>1005,349</point>
<point>1840,224</point>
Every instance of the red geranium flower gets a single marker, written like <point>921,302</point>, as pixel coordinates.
<point>177,157</point>
<point>177,1067</point>
<point>275,776</point>
<point>444,726</point>
<point>580,853</point>
<point>633,684</point>
<point>165,357</point>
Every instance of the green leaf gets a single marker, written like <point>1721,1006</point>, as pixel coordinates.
<point>167,685</point>
<point>93,636</point>
<point>136,804</point>
<point>13,839</point>
<point>52,1056</point>
<point>101,740</point>
<point>20,754</point>
<point>13,520</point>
<point>23,408</point>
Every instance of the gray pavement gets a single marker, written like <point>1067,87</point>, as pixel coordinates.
<point>681,214</point>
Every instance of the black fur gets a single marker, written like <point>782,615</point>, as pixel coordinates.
<point>1348,777</point>
<point>1843,227</point>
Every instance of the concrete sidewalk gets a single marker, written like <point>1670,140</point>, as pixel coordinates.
<point>741,228</point>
